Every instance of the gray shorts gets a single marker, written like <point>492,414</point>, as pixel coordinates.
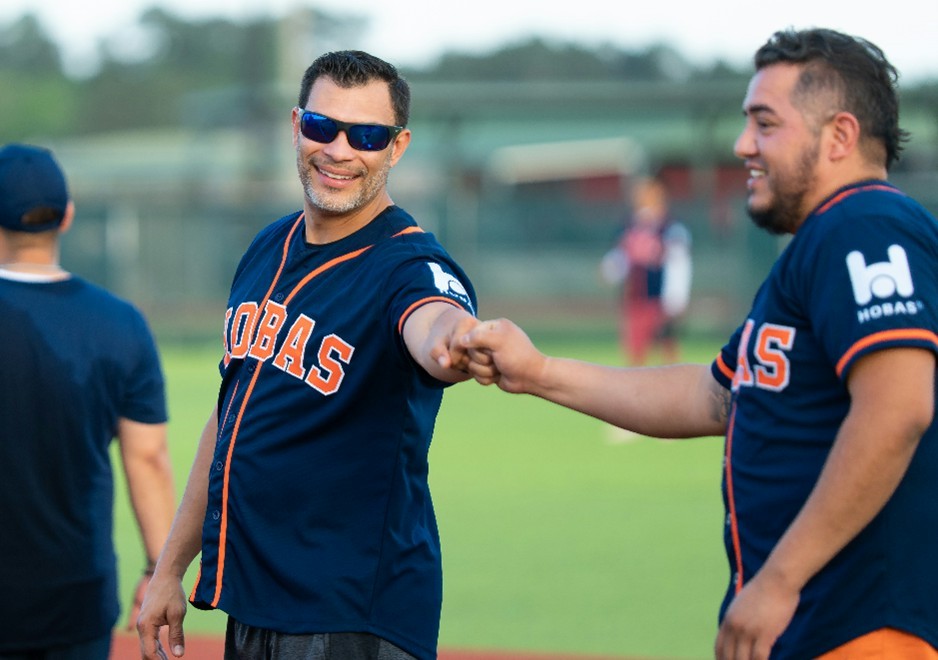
<point>243,642</point>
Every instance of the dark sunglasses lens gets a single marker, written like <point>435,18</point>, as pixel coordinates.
<point>365,137</point>
<point>318,128</point>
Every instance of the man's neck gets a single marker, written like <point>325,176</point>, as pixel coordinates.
<point>323,228</point>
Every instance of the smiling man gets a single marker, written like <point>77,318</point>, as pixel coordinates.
<point>825,393</point>
<point>308,498</point>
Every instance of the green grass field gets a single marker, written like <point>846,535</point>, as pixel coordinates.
<point>555,537</point>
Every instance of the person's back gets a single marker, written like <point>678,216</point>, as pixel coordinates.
<point>79,367</point>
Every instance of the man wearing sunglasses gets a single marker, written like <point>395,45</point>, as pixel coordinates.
<point>308,497</point>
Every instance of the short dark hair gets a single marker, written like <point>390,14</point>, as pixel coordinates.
<point>354,68</point>
<point>856,71</point>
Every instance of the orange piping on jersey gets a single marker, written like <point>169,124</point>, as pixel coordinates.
<point>731,502</point>
<point>223,526</point>
<point>421,303</point>
<point>224,420</point>
<point>326,266</point>
<point>223,530</point>
<point>195,586</point>
<point>853,191</point>
<point>283,262</point>
<point>884,336</point>
<point>408,230</point>
<point>725,370</point>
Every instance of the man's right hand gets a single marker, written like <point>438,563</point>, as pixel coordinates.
<point>164,604</point>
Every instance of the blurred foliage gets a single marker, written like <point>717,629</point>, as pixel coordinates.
<point>221,71</point>
<point>540,59</point>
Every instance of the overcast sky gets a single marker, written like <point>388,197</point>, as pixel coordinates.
<point>414,32</point>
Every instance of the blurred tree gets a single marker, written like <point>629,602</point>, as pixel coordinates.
<point>36,92</point>
<point>187,57</point>
<point>26,48</point>
<point>540,59</point>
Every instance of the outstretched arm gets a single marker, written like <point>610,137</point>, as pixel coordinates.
<point>891,406</point>
<point>430,332</point>
<point>164,603</point>
<point>677,401</point>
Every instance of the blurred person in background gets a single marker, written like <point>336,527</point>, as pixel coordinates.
<point>825,393</point>
<point>79,367</point>
<point>651,263</point>
<point>309,497</point>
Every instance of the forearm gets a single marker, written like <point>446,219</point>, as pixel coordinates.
<point>153,505</point>
<point>864,469</point>
<point>430,332</point>
<point>892,406</point>
<point>149,481</point>
<point>673,401</point>
<point>185,537</point>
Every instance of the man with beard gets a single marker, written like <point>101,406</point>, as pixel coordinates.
<point>308,497</point>
<point>825,393</point>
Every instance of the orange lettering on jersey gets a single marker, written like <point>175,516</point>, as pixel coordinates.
<point>224,337</point>
<point>743,374</point>
<point>774,369</point>
<point>275,315</point>
<point>290,356</point>
<point>334,373</point>
<point>242,327</point>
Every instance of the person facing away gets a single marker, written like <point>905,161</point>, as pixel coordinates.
<point>651,263</point>
<point>826,391</point>
<point>308,497</point>
<point>79,368</point>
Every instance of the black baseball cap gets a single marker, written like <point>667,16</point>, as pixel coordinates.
<point>33,193</point>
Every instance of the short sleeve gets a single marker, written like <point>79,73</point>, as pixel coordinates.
<point>145,393</point>
<point>874,283</point>
<point>424,280</point>
<point>724,365</point>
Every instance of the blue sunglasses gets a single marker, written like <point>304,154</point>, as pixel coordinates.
<point>363,137</point>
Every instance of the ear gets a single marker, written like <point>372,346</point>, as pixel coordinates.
<point>296,125</point>
<point>844,130</point>
<point>67,219</point>
<point>399,146</point>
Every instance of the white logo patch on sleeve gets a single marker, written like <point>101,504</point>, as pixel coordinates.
<point>448,284</point>
<point>883,279</point>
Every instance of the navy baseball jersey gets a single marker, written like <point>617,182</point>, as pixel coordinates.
<point>75,361</point>
<point>319,514</point>
<point>860,275</point>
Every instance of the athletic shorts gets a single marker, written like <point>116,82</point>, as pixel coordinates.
<point>884,644</point>
<point>243,642</point>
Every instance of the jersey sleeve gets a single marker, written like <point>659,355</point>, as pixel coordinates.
<point>420,281</point>
<point>144,397</point>
<point>873,284</point>
<point>724,365</point>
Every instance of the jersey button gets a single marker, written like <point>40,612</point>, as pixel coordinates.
<point>216,515</point>
<point>278,297</point>
<point>219,465</point>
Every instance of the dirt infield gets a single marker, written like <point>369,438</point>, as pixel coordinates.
<point>210,648</point>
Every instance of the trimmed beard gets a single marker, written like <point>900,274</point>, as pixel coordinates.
<point>785,212</point>
<point>331,203</point>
